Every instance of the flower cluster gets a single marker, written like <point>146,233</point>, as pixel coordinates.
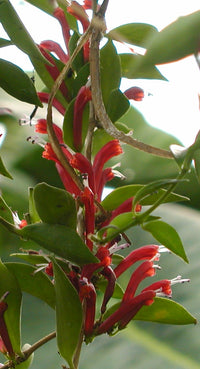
<point>94,176</point>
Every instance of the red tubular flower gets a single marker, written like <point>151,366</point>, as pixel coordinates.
<point>84,95</point>
<point>7,345</point>
<point>81,163</point>
<point>87,292</point>
<point>143,253</point>
<point>106,176</point>
<point>87,4</point>
<point>103,254</point>
<point>109,274</point>
<point>67,181</point>
<point>163,287</point>
<point>146,269</point>
<point>79,13</point>
<point>129,308</point>
<point>54,47</point>
<point>108,151</point>
<point>87,197</point>
<point>134,93</point>
<point>60,15</point>
<point>44,98</point>
<point>54,71</point>
<point>49,269</point>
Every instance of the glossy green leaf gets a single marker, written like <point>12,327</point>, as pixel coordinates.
<point>129,68</point>
<point>45,5</point>
<point>12,315</point>
<point>33,214</point>
<point>133,33</point>
<point>80,80</point>
<point>179,39</point>
<point>166,312</point>
<point>61,240</point>
<point>117,105</point>
<point>79,60</point>
<point>31,258</point>
<point>151,188</point>
<point>35,283</point>
<point>4,42</point>
<point>167,236</point>
<point>17,31</point>
<point>5,211</point>
<point>68,124</point>
<point>110,70</point>
<point>197,163</point>
<point>68,315</point>
<point>17,83</point>
<point>121,194</point>
<point>3,170</point>
<point>22,39</point>
<point>55,205</point>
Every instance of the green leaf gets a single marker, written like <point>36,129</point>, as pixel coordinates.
<point>34,217</point>
<point>133,33</point>
<point>166,312</point>
<point>45,5</point>
<point>129,68</point>
<point>121,194</point>
<point>197,163</point>
<point>12,315</point>
<point>61,240</point>
<point>151,188</point>
<point>5,211</point>
<point>36,284</point>
<point>117,105</point>
<point>120,223</point>
<point>16,83</point>
<point>68,315</point>
<point>55,205</point>
<point>22,39</point>
<point>17,31</point>
<point>3,170</point>
<point>110,70</point>
<point>31,258</point>
<point>167,236</point>
<point>79,60</point>
<point>80,80</point>
<point>4,42</point>
<point>176,41</point>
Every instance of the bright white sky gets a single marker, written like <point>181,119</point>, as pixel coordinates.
<point>172,106</point>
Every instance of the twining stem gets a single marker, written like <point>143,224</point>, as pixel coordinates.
<point>99,26</point>
<point>29,351</point>
<point>52,136</point>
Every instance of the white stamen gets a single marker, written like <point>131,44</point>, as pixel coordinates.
<point>117,247</point>
<point>163,249</point>
<point>178,279</point>
<point>36,140</point>
<point>27,121</point>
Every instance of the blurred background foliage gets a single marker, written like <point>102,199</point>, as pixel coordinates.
<point>142,345</point>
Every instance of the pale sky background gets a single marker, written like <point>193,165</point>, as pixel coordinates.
<point>172,106</point>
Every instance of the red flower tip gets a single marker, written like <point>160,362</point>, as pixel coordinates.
<point>79,13</point>
<point>87,4</point>
<point>103,255</point>
<point>150,252</point>
<point>49,154</point>
<point>60,15</point>
<point>87,292</point>
<point>41,126</point>
<point>23,223</point>
<point>49,269</point>
<point>134,93</point>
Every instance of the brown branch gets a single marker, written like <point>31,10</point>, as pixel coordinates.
<point>29,351</point>
<point>52,136</point>
<point>99,26</point>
